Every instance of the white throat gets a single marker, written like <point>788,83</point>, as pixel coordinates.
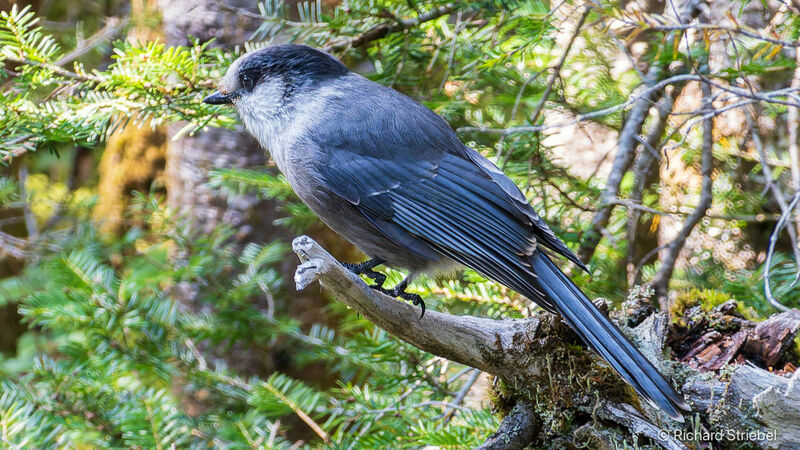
<point>277,122</point>
<point>270,120</point>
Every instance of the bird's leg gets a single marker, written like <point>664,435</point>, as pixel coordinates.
<point>399,291</point>
<point>365,268</point>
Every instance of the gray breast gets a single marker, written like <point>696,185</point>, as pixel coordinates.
<point>343,217</point>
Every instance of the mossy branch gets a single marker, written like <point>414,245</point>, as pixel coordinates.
<point>538,363</point>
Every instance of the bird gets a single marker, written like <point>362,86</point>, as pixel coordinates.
<point>393,178</point>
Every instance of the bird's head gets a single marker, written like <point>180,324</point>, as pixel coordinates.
<point>266,81</point>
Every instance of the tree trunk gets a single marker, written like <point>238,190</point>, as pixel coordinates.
<point>191,157</point>
<point>133,159</point>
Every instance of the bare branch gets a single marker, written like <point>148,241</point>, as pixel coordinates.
<point>634,98</point>
<point>384,29</point>
<point>642,170</point>
<point>773,239</point>
<point>557,68</point>
<point>110,29</point>
<point>771,97</point>
<point>622,161</point>
<point>660,281</point>
<point>715,27</point>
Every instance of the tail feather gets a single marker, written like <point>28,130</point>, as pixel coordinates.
<point>604,337</point>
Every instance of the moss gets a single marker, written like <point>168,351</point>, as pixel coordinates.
<point>133,160</point>
<point>707,300</point>
<point>570,380</point>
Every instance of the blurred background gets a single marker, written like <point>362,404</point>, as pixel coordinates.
<point>146,293</point>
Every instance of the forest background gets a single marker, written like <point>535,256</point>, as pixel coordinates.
<point>146,272</point>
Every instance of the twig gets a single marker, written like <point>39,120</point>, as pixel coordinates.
<point>715,27</point>
<point>110,29</point>
<point>413,406</point>
<point>660,281</point>
<point>773,239</point>
<point>56,70</point>
<point>384,29</point>
<point>462,393</point>
<point>451,58</point>
<point>767,97</point>
<point>634,98</point>
<point>300,413</point>
<point>557,68</point>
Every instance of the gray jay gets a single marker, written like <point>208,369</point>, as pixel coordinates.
<point>393,178</point>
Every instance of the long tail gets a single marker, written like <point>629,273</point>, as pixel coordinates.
<point>604,337</point>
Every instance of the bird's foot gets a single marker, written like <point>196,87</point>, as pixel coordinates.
<point>365,268</point>
<point>399,291</point>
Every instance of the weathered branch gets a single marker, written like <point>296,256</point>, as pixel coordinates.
<point>535,360</point>
<point>486,344</point>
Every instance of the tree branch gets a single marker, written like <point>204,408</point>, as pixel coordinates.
<point>643,169</point>
<point>622,161</point>
<point>660,281</point>
<point>384,29</point>
<point>485,344</point>
<point>535,359</point>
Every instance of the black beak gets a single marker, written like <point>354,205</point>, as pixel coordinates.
<point>218,98</point>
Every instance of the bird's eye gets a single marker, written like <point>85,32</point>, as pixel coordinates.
<point>247,82</point>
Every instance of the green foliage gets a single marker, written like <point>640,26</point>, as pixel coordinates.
<point>146,83</point>
<point>126,356</point>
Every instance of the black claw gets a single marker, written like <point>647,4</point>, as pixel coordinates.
<point>399,291</point>
<point>365,269</point>
<point>417,301</point>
